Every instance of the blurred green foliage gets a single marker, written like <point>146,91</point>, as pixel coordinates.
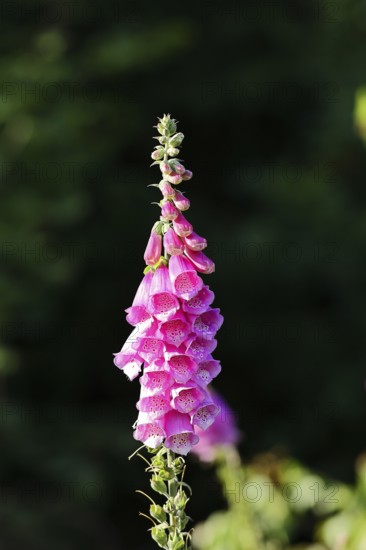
<point>265,94</point>
<point>275,500</point>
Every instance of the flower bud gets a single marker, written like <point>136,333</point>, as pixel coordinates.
<point>195,242</point>
<point>158,485</point>
<point>170,127</point>
<point>158,154</point>
<point>173,151</point>
<point>178,543</point>
<point>159,536</point>
<point>201,262</point>
<point>153,248</point>
<point>180,201</point>
<point>168,211</point>
<point>157,512</point>
<point>177,166</point>
<point>181,226</point>
<point>166,189</point>
<point>166,474</point>
<point>187,175</point>
<point>165,167</point>
<point>176,140</point>
<point>167,126</point>
<point>173,178</point>
<point>172,243</point>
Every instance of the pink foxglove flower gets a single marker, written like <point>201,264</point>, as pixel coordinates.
<point>138,313</point>
<point>180,434</point>
<point>174,336</point>
<point>153,248</point>
<point>186,282</point>
<point>168,211</point>
<point>172,243</point>
<point>167,190</point>
<point>181,226</point>
<point>195,242</point>
<point>221,433</point>
<point>180,201</point>
<point>202,263</point>
<point>162,302</point>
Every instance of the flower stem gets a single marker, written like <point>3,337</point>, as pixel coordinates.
<point>169,518</point>
<point>172,491</point>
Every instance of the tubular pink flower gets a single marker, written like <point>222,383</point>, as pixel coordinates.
<point>186,282</point>
<point>186,399</point>
<point>153,248</point>
<point>167,190</point>
<point>165,168</point>
<point>181,226</point>
<point>182,367</point>
<point>180,201</point>
<point>205,414</point>
<point>149,433</point>
<point>154,405</point>
<point>207,370</point>
<point>128,358</point>
<point>148,348</point>
<point>200,348</point>
<point>223,431</point>
<point>175,331</point>
<point>174,178</point>
<point>129,363</point>
<point>200,302</point>
<point>178,167</point>
<point>138,313</point>
<point>201,262</point>
<point>172,243</point>
<point>208,323</point>
<point>168,211</point>
<point>195,242</point>
<point>162,303</point>
<point>156,381</point>
<point>180,436</point>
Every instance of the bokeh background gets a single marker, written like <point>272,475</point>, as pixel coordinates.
<point>269,96</point>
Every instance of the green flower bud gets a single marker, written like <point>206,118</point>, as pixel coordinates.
<point>178,464</point>
<point>162,140</point>
<point>181,500</point>
<point>158,154</point>
<point>158,485</point>
<point>183,519</point>
<point>178,543</point>
<point>166,474</point>
<point>170,126</point>
<point>158,462</point>
<point>159,536</point>
<point>157,512</point>
<point>176,140</point>
<point>167,126</point>
<point>173,151</point>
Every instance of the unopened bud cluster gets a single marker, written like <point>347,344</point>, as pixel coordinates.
<point>166,534</point>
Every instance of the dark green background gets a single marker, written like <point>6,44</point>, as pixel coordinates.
<point>264,93</point>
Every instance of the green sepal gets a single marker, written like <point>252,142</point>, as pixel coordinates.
<point>159,536</point>
<point>147,269</point>
<point>178,544</point>
<point>157,512</point>
<point>181,499</point>
<point>167,474</point>
<point>158,485</point>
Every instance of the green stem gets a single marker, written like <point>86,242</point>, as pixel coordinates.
<point>172,491</point>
